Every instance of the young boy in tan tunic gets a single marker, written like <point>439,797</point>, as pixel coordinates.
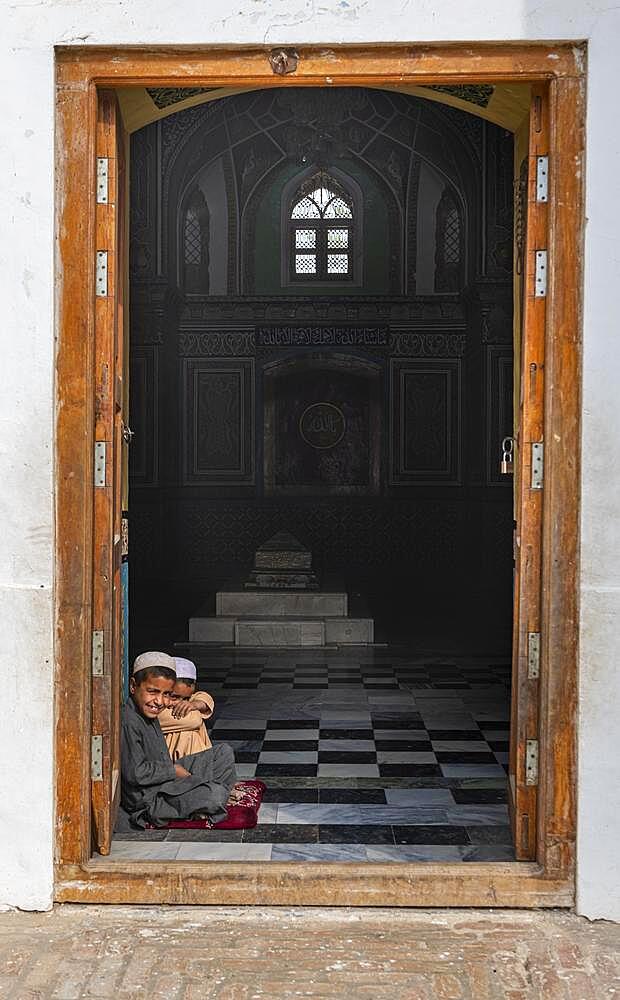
<point>183,724</point>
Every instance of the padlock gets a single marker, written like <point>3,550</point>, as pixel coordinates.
<point>507,465</point>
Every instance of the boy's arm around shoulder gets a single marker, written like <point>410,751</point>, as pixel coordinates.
<point>168,723</point>
<point>207,699</point>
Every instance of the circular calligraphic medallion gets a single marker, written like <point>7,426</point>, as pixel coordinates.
<point>322,425</point>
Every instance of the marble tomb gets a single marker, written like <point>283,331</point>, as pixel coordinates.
<point>281,604</point>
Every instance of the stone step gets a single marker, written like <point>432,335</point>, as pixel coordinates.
<point>281,631</point>
<point>254,604</point>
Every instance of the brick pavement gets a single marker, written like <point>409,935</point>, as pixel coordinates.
<point>192,953</point>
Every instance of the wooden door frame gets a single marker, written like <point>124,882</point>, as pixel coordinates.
<point>549,881</point>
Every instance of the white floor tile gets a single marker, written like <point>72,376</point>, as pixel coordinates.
<point>246,770</point>
<point>472,771</point>
<point>224,852</point>
<point>347,746</point>
<point>289,757</point>
<point>141,850</point>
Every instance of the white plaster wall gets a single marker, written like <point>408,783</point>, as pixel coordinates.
<point>30,29</point>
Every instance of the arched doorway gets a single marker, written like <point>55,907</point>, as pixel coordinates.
<point>342,256</point>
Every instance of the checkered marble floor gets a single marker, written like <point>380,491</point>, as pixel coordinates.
<point>368,754</point>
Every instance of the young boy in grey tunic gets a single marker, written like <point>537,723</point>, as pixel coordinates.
<point>154,790</point>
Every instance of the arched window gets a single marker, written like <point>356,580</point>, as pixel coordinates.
<point>448,238</point>
<point>321,231</point>
<point>195,242</point>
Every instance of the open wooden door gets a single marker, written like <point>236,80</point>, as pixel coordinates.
<point>109,428</point>
<point>529,470</point>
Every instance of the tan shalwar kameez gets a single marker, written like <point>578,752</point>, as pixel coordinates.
<point>189,734</point>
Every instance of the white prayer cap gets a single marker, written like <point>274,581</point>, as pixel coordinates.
<point>185,669</point>
<point>152,659</point>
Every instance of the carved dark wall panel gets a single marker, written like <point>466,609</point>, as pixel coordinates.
<point>322,429</point>
<point>218,421</point>
<point>425,422</point>
<point>144,413</point>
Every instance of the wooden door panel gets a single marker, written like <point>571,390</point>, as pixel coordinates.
<point>523,792</point>
<point>108,361</point>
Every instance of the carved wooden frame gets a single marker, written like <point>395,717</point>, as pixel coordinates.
<point>549,881</point>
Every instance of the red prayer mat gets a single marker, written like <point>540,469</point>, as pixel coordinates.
<point>242,808</point>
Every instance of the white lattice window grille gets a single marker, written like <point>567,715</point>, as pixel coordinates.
<point>321,232</point>
<point>195,244</point>
<point>193,238</point>
<point>448,244</point>
<point>452,238</point>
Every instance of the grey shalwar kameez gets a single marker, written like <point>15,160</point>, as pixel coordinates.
<point>150,791</point>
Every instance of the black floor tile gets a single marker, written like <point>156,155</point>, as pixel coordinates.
<point>310,687</point>
<point>206,836</point>
<point>282,833</point>
<point>247,756</point>
<point>455,734</point>
<point>343,833</point>
<point>499,746</point>
<point>479,796</point>
<point>291,795</point>
<point>396,720</point>
<point>489,834</point>
<point>292,770</point>
<point>409,770</point>
<point>380,687</point>
<point>352,796</point>
<point>490,724</point>
<point>234,686</point>
<point>344,757</point>
<point>434,834</point>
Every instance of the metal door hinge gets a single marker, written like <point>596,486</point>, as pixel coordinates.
<point>540,276</point>
<point>531,762</point>
<point>542,179</point>
<point>96,758</point>
<point>102,180</point>
<point>533,655</point>
<point>100,451</point>
<point>97,653</point>
<point>101,274</point>
<point>538,464</point>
